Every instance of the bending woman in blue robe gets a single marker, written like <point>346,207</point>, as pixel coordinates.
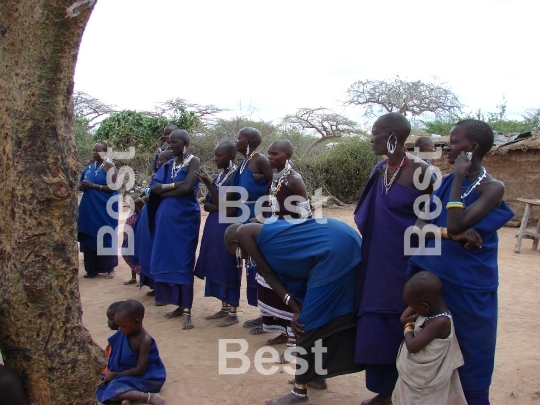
<point>173,209</point>
<point>472,212</point>
<point>93,215</point>
<point>303,262</point>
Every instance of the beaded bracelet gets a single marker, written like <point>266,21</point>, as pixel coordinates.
<point>454,204</point>
<point>407,330</point>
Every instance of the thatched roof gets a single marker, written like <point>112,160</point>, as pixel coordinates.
<point>524,145</point>
<point>502,149</point>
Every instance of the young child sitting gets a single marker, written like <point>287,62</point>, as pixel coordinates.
<point>428,359</point>
<point>111,312</point>
<point>136,372</point>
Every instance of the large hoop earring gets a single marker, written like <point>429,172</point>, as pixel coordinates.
<point>230,165</point>
<point>239,257</point>
<point>247,151</point>
<point>185,149</point>
<point>391,146</point>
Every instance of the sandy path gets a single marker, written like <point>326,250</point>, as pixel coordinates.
<point>191,357</point>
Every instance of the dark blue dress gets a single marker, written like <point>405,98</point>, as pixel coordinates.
<point>215,263</point>
<point>177,222</point>
<point>470,278</point>
<point>121,359</point>
<point>255,189</point>
<point>93,216</point>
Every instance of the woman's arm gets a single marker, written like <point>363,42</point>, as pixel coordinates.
<point>185,187</point>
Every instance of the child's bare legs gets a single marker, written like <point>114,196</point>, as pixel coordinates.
<point>133,279</point>
<point>144,397</point>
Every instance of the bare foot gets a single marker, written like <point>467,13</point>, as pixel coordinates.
<point>230,320</point>
<point>177,312</point>
<point>286,400</point>
<point>110,275</point>
<point>125,401</point>
<point>156,399</point>
<point>283,360</point>
<point>319,384</point>
<point>186,323</point>
<point>132,281</point>
<point>218,314</point>
<point>277,340</point>
<point>378,399</point>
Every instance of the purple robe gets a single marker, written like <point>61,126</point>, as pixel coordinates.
<point>382,220</point>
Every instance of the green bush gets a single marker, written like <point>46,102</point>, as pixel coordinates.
<point>342,170</point>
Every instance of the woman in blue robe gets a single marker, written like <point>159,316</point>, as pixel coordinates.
<point>383,215</point>
<point>174,210</point>
<point>472,212</point>
<point>303,262</point>
<point>253,175</point>
<point>215,264</point>
<point>93,216</point>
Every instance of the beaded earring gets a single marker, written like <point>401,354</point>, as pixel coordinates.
<point>185,149</point>
<point>229,165</point>
<point>238,257</point>
<point>391,146</point>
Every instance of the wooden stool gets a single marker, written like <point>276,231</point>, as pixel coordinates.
<point>523,233</point>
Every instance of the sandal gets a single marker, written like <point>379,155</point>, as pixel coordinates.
<point>151,293</point>
<point>132,281</point>
<point>110,275</point>
<point>251,323</point>
<point>257,330</point>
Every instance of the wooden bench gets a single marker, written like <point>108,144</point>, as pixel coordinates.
<point>523,233</point>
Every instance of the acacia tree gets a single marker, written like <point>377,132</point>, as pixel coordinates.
<point>322,122</point>
<point>90,108</point>
<point>41,332</point>
<point>406,97</point>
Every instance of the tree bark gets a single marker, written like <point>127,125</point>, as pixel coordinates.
<point>41,332</point>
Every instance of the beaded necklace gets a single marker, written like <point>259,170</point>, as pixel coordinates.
<point>176,169</point>
<point>96,171</point>
<point>222,179</point>
<point>277,181</point>
<point>388,184</point>
<point>472,186</point>
<point>246,161</point>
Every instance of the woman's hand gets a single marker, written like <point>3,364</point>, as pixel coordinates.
<point>462,164</point>
<point>296,306</point>
<point>470,237</point>
<point>204,178</point>
<point>87,183</point>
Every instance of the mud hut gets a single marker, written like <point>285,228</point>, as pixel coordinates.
<point>516,164</point>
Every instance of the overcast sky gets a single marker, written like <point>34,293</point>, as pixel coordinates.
<point>278,56</point>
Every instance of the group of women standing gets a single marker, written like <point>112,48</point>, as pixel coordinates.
<point>466,228</point>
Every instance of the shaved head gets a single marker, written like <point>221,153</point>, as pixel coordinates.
<point>284,145</point>
<point>253,135</point>
<point>396,123</point>
<point>424,286</point>
<point>169,129</point>
<point>227,147</point>
<point>132,309</point>
<point>230,234</point>
<point>180,134</point>
<point>424,142</point>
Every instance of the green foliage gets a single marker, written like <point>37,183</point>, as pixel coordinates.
<point>132,128</point>
<point>504,126</point>
<point>341,169</point>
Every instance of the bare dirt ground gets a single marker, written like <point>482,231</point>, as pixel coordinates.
<point>192,359</point>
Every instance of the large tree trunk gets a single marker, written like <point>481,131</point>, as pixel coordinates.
<point>41,334</point>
